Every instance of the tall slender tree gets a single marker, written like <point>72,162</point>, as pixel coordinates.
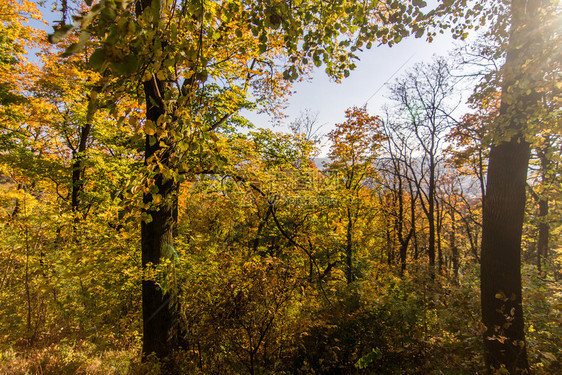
<point>355,145</point>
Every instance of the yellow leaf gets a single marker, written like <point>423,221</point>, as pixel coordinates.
<point>147,76</point>
<point>149,128</point>
<point>161,75</point>
<point>500,295</point>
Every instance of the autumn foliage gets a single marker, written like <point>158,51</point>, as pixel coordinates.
<point>266,259</point>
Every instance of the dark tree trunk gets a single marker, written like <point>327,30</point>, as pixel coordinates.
<point>349,248</point>
<point>389,200</point>
<point>157,231</point>
<point>78,168</point>
<point>413,220</point>
<point>454,248</point>
<point>544,230</point>
<point>504,207</point>
<point>480,172</point>
<point>404,249</point>
<point>403,241</point>
<point>160,324</point>
<point>431,217</point>
<point>544,227</point>
<point>502,311</point>
<point>438,227</point>
<point>389,246</point>
<point>78,165</point>
<point>472,239</point>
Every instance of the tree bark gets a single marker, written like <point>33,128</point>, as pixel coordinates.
<point>454,248</point>
<point>413,219</point>
<point>389,246</point>
<point>157,231</point>
<point>438,228</point>
<point>78,165</point>
<point>404,241</point>
<point>78,169</point>
<point>544,230</point>
<point>349,248</point>
<point>544,226</point>
<point>504,207</point>
<point>156,243</point>
<point>157,227</point>
<point>502,311</point>
<point>431,217</point>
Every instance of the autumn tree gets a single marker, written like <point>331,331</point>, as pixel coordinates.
<point>355,143</point>
<point>544,175</point>
<point>398,187</point>
<point>54,260</point>
<point>504,206</point>
<point>66,89</point>
<point>424,100</point>
<point>543,181</point>
<point>16,72</point>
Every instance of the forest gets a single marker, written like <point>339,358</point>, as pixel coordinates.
<point>147,226</point>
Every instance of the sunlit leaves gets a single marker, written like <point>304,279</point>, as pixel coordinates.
<point>355,142</point>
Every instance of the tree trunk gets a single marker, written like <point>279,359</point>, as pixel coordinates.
<point>78,169</point>
<point>157,230</point>
<point>413,220</point>
<point>438,227</point>
<point>472,239</point>
<point>349,248</point>
<point>77,164</point>
<point>454,248</point>
<point>389,246</point>
<point>403,241</point>
<point>157,227</point>
<point>504,207</point>
<point>403,251</point>
<point>544,229</point>
<point>502,311</point>
<point>431,218</point>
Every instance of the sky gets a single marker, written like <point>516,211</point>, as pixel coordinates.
<point>367,84</point>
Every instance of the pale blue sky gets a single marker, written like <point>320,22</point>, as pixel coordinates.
<point>375,68</point>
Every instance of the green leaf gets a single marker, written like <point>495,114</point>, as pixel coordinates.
<point>419,3</point>
<point>202,76</point>
<point>128,66</point>
<point>72,49</point>
<point>155,7</point>
<point>131,64</point>
<point>420,32</point>
<point>77,47</point>
<point>97,58</point>
<point>60,33</point>
<point>364,361</point>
